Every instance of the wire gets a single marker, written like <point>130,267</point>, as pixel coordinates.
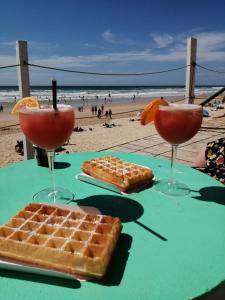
<point>108,74</point>
<point>10,66</point>
<point>112,74</point>
<point>215,71</point>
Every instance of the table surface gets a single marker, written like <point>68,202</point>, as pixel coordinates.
<point>170,247</point>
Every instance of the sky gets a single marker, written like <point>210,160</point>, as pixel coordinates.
<point>113,36</point>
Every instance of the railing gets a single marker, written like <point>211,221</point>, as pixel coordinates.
<point>212,96</point>
<point>190,67</point>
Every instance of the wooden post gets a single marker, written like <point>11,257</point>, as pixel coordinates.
<point>24,87</point>
<point>190,71</point>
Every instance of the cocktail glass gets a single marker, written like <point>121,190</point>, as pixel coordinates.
<point>176,123</point>
<point>49,128</point>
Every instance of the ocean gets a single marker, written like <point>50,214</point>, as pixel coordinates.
<point>95,94</point>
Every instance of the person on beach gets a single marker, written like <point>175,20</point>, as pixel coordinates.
<point>110,113</point>
<point>93,109</point>
<point>106,113</point>
<point>99,113</point>
<point>1,107</point>
<point>96,108</point>
<point>134,98</point>
<point>102,109</point>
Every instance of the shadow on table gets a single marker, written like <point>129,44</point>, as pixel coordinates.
<point>211,194</point>
<point>128,210</point>
<point>151,231</point>
<point>61,165</point>
<point>116,206</point>
<point>117,266</point>
<point>68,283</point>
<point>217,293</point>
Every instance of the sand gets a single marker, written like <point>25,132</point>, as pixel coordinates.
<point>95,136</point>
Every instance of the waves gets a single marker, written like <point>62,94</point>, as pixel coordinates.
<point>118,93</point>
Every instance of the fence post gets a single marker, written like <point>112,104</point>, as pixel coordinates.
<point>24,87</point>
<point>190,71</point>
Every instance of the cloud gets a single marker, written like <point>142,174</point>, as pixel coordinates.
<point>162,41</point>
<point>112,38</point>
<point>211,40</point>
<point>210,46</point>
<point>6,60</point>
<point>109,37</point>
<point>103,60</point>
<point>171,49</point>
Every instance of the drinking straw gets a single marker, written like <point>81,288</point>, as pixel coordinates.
<point>54,94</point>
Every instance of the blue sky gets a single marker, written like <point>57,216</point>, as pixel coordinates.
<point>113,36</point>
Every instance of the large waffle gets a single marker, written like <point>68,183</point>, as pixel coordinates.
<point>60,239</point>
<point>125,175</point>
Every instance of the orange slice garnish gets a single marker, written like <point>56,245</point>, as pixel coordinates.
<point>25,102</point>
<point>148,114</point>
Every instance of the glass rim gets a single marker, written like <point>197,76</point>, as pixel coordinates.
<point>181,106</point>
<point>46,108</point>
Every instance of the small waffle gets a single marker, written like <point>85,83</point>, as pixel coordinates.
<point>60,239</point>
<point>125,175</point>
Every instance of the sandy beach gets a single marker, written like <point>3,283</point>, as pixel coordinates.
<point>95,136</point>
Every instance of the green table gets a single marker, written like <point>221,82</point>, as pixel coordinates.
<point>170,248</point>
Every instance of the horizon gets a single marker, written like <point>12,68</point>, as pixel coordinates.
<point>124,86</point>
<point>120,37</point>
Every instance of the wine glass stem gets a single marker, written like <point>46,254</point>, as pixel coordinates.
<point>51,160</point>
<point>173,162</point>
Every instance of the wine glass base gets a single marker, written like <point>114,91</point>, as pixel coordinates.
<point>171,187</point>
<point>59,195</point>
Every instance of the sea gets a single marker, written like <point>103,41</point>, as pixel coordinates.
<point>92,95</point>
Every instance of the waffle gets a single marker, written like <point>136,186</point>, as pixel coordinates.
<point>60,239</point>
<point>125,175</point>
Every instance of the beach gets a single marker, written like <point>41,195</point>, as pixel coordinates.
<point>93,135</point>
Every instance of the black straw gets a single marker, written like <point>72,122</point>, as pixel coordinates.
<point>54,94</point>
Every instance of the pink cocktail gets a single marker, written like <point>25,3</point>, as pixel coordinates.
<point>49,128</point>
<point>176,123</point>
